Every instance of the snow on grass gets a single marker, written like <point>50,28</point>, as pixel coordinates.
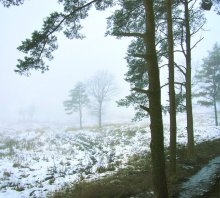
<point>36,161</point>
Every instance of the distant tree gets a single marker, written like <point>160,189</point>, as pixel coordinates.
<point>22,114</point>
<point>208,78</point>
<point>78,99</point>
<point>101,88</point>
<point>27,113</point>
<point>31,111</point>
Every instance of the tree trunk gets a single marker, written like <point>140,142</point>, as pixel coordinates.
<point>100,115</point>
<point>80,117</point>
<point>156,126</point>
<point>216,112</point>
<point>171,90</point>
<point>190,131</point>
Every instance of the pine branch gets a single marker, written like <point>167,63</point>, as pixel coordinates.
<point>130,34</point>
<point>43,42</point>
<point>197,30</point>
<point>176,83</point>
<point>178,51</point>
<point>197,42</point>
<point>182,105</point>
<point>181,70</point>
<point>193,4</point>
<point>163,39</point>
<point>145,108</point>
<point>8,3</point>
<point>141,90</point>
<point>181,44</point>
<point>163,65</point>
<point>163,53</point>
<point>139,55</point>
<point>65,17</point>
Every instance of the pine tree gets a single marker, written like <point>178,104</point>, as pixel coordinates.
<point>189,22</point>
<point>137,74</point>
<point>78,99</point>
<point>208,81</point>
<point>172,95</point>
<point>137,19</point>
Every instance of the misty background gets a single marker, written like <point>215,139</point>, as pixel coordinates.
<point>75,60</point>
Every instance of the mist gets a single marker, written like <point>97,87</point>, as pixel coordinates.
<point>75,60</point>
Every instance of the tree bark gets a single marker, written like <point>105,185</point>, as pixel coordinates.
<point>216,112</point>
<point>190,130</point>
<point>156,126</point>
<point>172,94</point>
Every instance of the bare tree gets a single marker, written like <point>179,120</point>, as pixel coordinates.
<point>101,89</point>
<point>27,113</point>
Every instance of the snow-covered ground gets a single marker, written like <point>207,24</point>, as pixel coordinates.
<point>36,160</point>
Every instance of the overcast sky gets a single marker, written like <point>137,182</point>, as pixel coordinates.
<point>75,60</point>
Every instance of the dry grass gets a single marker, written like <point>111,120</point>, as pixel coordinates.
<point>135,180</point>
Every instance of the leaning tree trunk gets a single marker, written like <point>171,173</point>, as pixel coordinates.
<point>190,131</point>
<point>171,90</point>
<point>156,126</point>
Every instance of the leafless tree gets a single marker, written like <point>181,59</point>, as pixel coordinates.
<point>101,89</point>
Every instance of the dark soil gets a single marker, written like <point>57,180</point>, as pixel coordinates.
<point>215,192</point>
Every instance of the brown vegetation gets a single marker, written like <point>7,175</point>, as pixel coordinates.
<point>135,180</point>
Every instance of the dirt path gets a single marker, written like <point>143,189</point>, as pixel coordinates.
<point>203,182</point>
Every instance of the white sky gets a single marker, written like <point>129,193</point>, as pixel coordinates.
<point>75,60</point>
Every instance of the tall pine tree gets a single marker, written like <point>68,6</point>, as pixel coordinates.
<point>137,19</point>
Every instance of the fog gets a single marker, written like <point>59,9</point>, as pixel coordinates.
<point>75,60</point>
